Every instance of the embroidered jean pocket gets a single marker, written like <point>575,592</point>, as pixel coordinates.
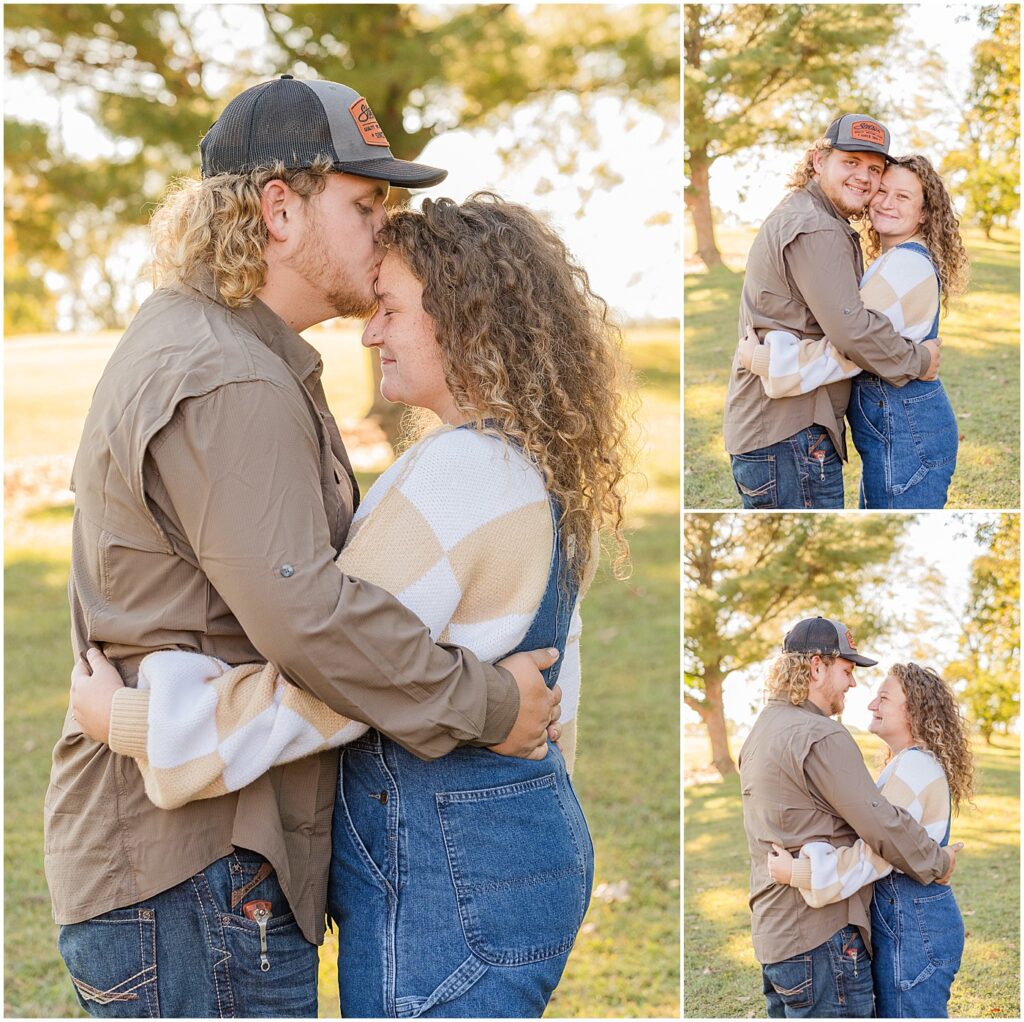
<point>112,961</point>
<point>793,980</point>
<point>519,868</point>
<point>755,479</point>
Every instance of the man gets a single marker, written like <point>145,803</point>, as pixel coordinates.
<point>802,275</point>
<point>213,492</point>
<point>803,779</point>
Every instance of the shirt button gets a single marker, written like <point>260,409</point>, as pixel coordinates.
<point>287,571</point>
<point>874,805</point>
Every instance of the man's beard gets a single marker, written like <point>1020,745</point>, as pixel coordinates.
<point>847,212</point>
<point>313,264</point>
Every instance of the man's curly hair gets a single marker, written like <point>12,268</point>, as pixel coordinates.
<point>217,224</point>
<point>789,676</point>
<point>527,348</point>
<point>940,230</point>
<point>937,724</point>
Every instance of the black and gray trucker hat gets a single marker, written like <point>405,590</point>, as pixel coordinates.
<point>300,122</point>
<point>858,133</point>
<point>827,637</point>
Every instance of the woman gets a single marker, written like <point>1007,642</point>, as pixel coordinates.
<point>907,436</point>
<point>916,929</point>
<point>458,885</point>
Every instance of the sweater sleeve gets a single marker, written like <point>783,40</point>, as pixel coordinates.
<point>825,873</point>
<point>444,530</point>
<point>790,365</point>
<point>199,728</point>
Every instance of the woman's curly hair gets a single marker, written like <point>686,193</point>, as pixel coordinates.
<point>941,229</point>
<point>789,676</point>
<point>528,349</point>
<point>937,724</point>
<point>217,224</point>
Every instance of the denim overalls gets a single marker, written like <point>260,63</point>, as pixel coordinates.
<point>917,937</point>
<point>459,885</point>
<point>907,437</point>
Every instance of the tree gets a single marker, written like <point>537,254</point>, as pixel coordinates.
<point>989,662</point>
<point>761,74</point>
<point>985,169</point>
<point>748,577</point>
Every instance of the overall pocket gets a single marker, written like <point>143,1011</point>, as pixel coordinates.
<point>931,422</point>
<point>519,871</point>
<point>112,961</point>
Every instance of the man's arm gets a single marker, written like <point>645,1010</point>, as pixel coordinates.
<point>241,471</point>
<point>835,769</point>
<point>821,266</point>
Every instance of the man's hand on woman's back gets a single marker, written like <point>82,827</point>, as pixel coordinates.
<point>539,706</point>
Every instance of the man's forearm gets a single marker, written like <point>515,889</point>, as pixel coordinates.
<point>822,266</point>
<point>836,770</point>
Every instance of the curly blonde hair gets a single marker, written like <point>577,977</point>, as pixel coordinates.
<point>941,229</point>
<point>789,676</point>
<point>527,349</point>
<point>217,224</point>
<point>804,171</point>
<point>937,724</point>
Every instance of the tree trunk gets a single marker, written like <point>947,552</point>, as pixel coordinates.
<point>712,713</point>
<point>698,201</point>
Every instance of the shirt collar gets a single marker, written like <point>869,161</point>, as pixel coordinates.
<point>805,705</point>
<point>292,348</point>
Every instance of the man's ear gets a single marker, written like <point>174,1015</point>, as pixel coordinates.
<point>818,158</point>
<point>275,202</point>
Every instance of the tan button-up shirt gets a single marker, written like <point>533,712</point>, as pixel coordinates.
<point>802,275</point>
<point>212,494</point>
<point>803,779</point>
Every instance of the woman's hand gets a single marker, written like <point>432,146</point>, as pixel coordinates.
<point>747,346</point>
<point>780,864</point>
<point>92,693</point>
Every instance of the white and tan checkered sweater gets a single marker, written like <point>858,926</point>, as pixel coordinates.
<point>912,779</point>
<point>901,284</point>
<point>459,529</point>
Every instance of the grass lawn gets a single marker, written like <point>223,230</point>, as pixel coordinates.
<point>627,773</point>
<point>980,371</point>
<point>722,978</point>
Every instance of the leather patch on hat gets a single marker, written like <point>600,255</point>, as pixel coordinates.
<point>367,124</point>
<point>849,639</point>
<point>867,131</point>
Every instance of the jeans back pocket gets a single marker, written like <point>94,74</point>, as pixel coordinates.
<point>519,869</point>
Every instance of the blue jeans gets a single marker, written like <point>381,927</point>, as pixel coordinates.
<point>802,471</point>
<point>917,934</point>
<point>190,952</point>
<point>832,980</point>
<point>907,438</point>
<point>459,885</point>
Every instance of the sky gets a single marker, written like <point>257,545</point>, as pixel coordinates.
<point>633,263</point>
<point>746,189</point>
<point>937,540</point>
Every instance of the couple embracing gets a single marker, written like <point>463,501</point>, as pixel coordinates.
<point>853,915</point>
<point>821,338</point>
<point>241,615</point>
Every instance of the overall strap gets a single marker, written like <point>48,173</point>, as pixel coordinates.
<point>916,246</point>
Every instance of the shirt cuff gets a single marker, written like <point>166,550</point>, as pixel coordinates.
<point>129,722</point>
<point>759,361</point>
<point>801,875</point>
<point>502,707</point>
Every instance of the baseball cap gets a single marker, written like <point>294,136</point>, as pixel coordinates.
<point>299,122</point>
<point>858,133</point>
<point>827,637</point>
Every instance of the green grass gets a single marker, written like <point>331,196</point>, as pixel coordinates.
<point>721,975</point>
<point>980,371</point>
<point>626,963</point>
